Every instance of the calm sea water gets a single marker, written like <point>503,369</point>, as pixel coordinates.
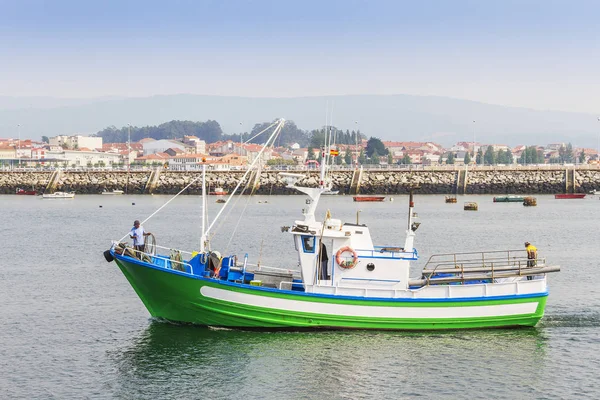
<point>72,327</point>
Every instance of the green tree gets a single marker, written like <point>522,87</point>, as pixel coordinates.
<point>510,159</point>
<point>467,158</point>
<point>390,159</point>
<point>489,156</point>
<point>566,153</point>
<point>45,139</point>
<point>582,157</point>
<point>501,157</point>
<point>311,154</point>
<point>376,145</point>
<point>406,159</point>
<point>209,131</point>
<point>450,158</point>
<point>374,159</point>
<point>280,161</point>
<point>531,156</point>
<point>361,157</point>
<point>479,159</point>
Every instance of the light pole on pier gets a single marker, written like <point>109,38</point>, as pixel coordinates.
<point>18,151</point>
<point>241,138</point>
<point>356,149</point>
<point>474,157</point>
<point>128,147</point>
<point>598,156</point>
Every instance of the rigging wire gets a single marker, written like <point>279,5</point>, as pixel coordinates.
<point>263,131</point>
<point>281,122</point>
<point>168,201</point>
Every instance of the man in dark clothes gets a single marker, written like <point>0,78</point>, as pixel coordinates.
<point>324,261</point>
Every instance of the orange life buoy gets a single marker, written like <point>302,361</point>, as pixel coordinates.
<point>343,263</point>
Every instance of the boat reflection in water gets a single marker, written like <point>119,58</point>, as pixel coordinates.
<point>279,365</point>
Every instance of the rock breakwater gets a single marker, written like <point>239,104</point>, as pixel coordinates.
<point>486,180</point>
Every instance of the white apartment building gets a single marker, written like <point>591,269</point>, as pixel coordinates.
<point>76,141</point>
<point>84,158</point>
<point>199,145</point>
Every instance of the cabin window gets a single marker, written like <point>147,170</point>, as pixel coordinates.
<point>308,244</point>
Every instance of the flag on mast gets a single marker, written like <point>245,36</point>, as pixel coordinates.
<point>334,153</point>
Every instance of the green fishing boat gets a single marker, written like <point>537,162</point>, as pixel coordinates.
<point>360,286</point>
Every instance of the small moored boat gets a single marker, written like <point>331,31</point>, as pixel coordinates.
<point>369,198</point>
<point>470,206</point>
<point>509,199</point>
<point>59,195</point>
<point>113,192</point>
<point>569,196</point>
<point>26,192</point>
<point>451,199</point>
<point>218,192</point>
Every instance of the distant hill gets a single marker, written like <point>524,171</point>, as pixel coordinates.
<point>393,117</point>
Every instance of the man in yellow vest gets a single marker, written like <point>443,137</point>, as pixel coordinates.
<point>531,256</point>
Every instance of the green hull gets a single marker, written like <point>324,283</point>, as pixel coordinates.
<point>180,297</point>
<point>518,199</point>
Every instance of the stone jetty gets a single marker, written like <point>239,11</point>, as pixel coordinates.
<point>429,180</point>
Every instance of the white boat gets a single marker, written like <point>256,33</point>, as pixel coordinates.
<point>330,192</point>
<point>59,195</point>
<point>113,192</point>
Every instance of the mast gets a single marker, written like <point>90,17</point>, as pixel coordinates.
<point>128,157</point>
<point>323,162</point>
<point>412,226</point>
<point>203,237</point>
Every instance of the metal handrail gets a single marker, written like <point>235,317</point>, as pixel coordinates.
<point>481,256</point>
<point>382,252</point>
<point>497,261</point>
<point>275,269</point>
<point>153,256</point>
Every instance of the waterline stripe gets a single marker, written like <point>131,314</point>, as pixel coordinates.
<point>369,311</point>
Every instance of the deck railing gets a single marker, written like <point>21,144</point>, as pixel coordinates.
<point>152,258</point>
<point>389,252</point>
<point>488,264</point>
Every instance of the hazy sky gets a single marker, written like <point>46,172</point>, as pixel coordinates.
<point>542,54</point>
